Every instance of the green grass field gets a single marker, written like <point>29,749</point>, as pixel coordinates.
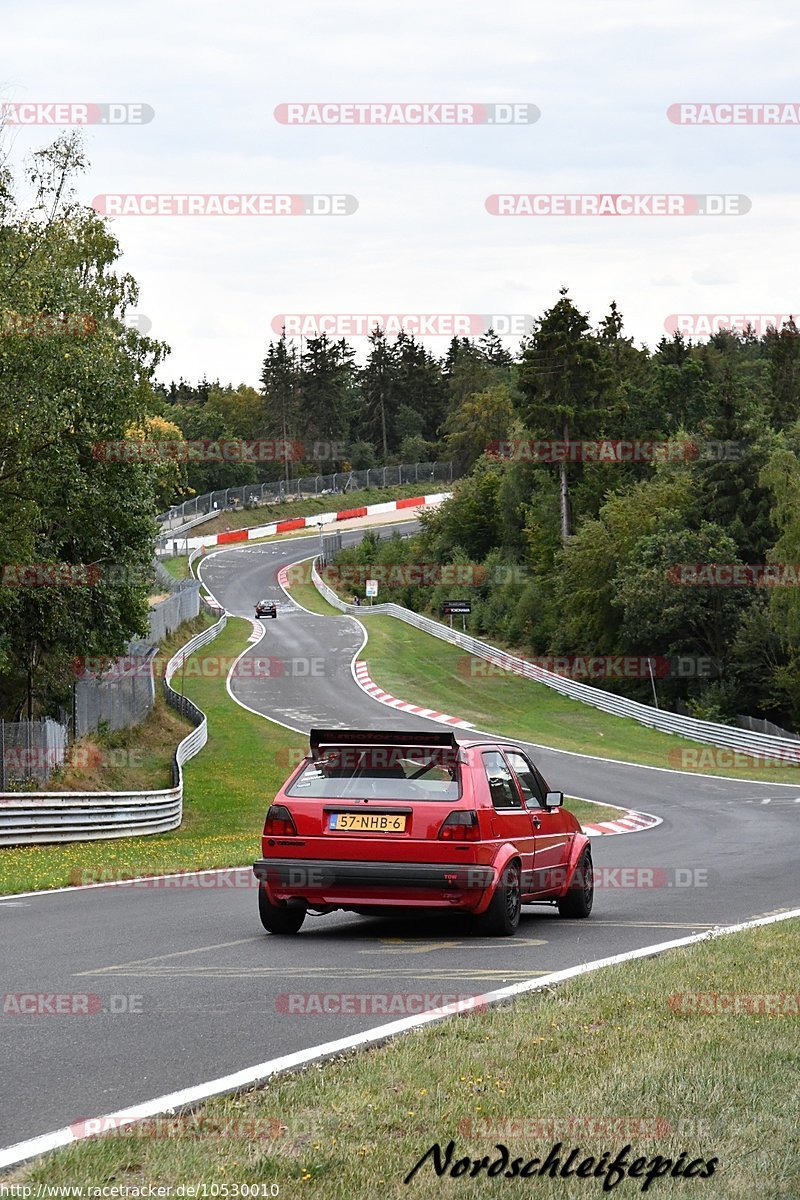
<point>307,595</point>
<point>177,567</point>
<point>609,1060</point>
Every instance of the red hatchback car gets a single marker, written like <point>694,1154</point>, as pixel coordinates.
<point>377,821</point>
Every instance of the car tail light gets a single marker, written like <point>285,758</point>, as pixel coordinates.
<point>279,822</point>
<point>461,826</point>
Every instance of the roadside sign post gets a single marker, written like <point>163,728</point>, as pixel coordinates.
<point>461,608</point>
<point>652,681</point>
<point>371,589</point>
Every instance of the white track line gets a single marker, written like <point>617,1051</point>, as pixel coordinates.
<point>252,1076</point>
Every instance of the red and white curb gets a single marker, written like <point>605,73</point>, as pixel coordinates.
<point>629,822</point>
<point>361,673</point>
<point>312,522</point>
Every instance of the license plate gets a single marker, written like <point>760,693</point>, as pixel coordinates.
<point>367,823</point>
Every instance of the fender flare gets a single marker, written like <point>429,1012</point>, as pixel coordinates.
<point>579,844</point>
<point>505,855</point>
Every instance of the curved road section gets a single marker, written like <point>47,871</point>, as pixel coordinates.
<point>144,991</point>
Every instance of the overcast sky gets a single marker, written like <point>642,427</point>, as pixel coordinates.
<point>602,73</point>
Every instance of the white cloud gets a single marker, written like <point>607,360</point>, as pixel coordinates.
<point>602,74</point>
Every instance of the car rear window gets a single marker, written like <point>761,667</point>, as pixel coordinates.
<point>381,773</point>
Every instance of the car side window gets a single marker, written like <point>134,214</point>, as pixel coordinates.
<point>501,782</point>
<point>526,776</point>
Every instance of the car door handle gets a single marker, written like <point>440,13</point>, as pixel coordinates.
<point>537,824</point>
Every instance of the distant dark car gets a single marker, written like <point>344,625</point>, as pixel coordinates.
<point>266,608</point>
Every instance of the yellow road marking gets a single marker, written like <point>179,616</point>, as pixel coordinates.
<point>136,962</point>
<point>654,924</point>
<point>401,946</point>
<point>327,973</point>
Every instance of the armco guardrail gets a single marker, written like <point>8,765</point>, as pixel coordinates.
<point>314,521</point>
<point>757,745</point>
<point>181,516</point>
<point>32,818</point>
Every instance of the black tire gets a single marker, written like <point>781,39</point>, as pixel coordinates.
<point>501,918</point>
<point>279,918</point>
<point>579,899</point>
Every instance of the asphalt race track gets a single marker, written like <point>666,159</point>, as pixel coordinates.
<point>203,992</point>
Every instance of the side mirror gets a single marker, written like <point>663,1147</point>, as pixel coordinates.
<point>554,799</point>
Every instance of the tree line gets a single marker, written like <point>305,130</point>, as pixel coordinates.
<point>581,556</point>
<point>337,415</point>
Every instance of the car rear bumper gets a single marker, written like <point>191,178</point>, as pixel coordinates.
<point>302,875</point>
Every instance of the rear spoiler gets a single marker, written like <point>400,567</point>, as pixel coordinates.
<point>381,737</point>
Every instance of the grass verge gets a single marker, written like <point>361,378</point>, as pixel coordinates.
<point>602,1062</point>
<point>177,567</point>
<point>588,812</point>
<point>228,788</point>
<point>307,595</point>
